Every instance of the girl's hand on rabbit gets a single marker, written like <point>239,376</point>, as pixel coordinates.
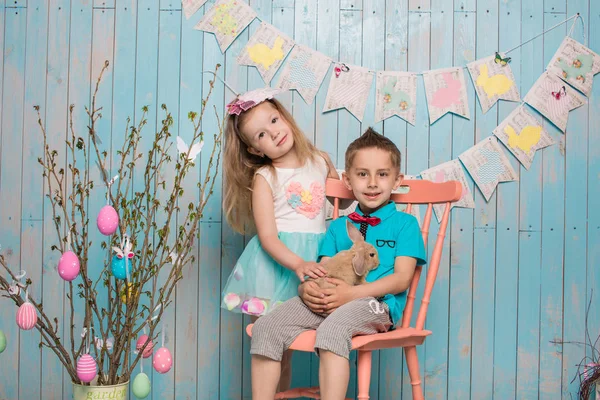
<point>312,295</point>
<point>309,268</point>
<point>341,294</point>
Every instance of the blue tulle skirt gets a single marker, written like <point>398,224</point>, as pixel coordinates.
<point>258,283</point>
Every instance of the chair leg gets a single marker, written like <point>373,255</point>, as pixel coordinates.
<point>364,374</point>
<point>413,370</point>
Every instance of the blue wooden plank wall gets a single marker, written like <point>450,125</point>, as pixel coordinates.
<point>516,274</point>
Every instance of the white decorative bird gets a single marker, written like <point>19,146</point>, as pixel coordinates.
<point>184,148</point>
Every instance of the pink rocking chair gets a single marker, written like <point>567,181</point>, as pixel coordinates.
<point>419,192</point>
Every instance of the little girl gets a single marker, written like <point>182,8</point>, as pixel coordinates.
<point>275,180</point>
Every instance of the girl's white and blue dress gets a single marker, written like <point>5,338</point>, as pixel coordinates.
<point>258,283</point>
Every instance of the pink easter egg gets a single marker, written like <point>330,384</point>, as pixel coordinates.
<point>140,343</point>
<point>254,306</point>
<point>87,369</point>
<point>68,266</point>
<point>108,220</point>
<point>26,316</point>
<point>162,361</point>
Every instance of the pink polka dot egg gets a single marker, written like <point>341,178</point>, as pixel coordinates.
<point>26,316</point>
<point>108,220</point>
<point>68,266</point>
<point>140,343</point>
<point>87,369</point>
<point>162,361</point>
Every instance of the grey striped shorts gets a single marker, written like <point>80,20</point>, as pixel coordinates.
<point>274,333</point>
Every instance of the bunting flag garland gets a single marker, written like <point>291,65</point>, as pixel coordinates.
<point>227,19</point>
<point>554,99</point>
<point>191,6</point>
<point>554,94</point>
<point>575,64</point>
<point>349,87</point>
<point>450,171</point>
<point>488,166</point>
<point>304,71</point>
<point>396,95</point>
<point>266,50</point>
<point>523,135</point>
<point>446,91</point>
<point>494,80</point>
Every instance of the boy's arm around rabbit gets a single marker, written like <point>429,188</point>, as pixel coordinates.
<point>327,300</point>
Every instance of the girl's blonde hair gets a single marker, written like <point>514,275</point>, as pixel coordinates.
<point>239,167</point>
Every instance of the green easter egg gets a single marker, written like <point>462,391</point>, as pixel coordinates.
<point>141,386</point>
<point>2,341</point>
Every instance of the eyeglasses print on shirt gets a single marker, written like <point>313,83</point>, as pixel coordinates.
<point>389,243</point>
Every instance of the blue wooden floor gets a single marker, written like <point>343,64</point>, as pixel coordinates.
<point>516,274</point>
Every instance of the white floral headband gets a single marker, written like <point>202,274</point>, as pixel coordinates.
<point>251,99</point>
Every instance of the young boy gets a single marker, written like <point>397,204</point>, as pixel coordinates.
<point>338,314</point>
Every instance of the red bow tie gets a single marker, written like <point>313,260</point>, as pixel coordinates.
<point>356,217</point>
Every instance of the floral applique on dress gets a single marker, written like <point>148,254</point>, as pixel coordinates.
<point>308,202</point>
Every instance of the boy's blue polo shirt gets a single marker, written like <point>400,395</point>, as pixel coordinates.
<point>398,234</point>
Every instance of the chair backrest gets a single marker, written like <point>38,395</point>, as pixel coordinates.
<point>414,192</point>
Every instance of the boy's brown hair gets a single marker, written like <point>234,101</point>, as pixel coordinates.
<point>371,139</point>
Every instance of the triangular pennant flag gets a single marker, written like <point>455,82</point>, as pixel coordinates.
<point>523,135</point>
<point>349,87</point>
<point>446,91</point>
<point>575,64</point>
<point>266,50</point>
<point>396,95</point>
<point>450,171</point>
<point>494,80</point>
<point>191,6</point>
<point>304,71</point>
<point>488,166</point>
<point>554,99</point>
<point>227,19</point>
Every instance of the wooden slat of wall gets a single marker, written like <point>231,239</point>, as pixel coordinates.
<point>507,226</point>
<point>187,326</point>
<point>56,126</point>
<point>169,50</point>
<point>462,247</point>
<point>145,90</point>
<point>328,43</point>
<point>593,178</point>
<point>10,186</point>
<point>417,141</point>
<point>558,293</point>
<point>102,50</point>
<point>32,185</point>
<point>440,151</point>
<point>482,341</point>
<point>305,33</point>
<point>394,128</point>
<point>80,54</point>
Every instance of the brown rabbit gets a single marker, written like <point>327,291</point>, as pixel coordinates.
<point>351,265</point>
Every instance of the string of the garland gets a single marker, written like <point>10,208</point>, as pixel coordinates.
<point>576,17</point>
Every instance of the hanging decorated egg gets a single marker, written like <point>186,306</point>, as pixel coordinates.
<point>130,292</point>
<point>108,220</point>
<point>162,361</point>
<point>141,342</point>
<point>2,341</point>
<point>117,267</point>
<point>87,369</point>
<point>141,386</point>
<point>26,316</point>
<point>68,266</point>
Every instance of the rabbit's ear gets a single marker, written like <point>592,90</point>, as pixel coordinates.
<point>358,262</point>
<point>353,233</point>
